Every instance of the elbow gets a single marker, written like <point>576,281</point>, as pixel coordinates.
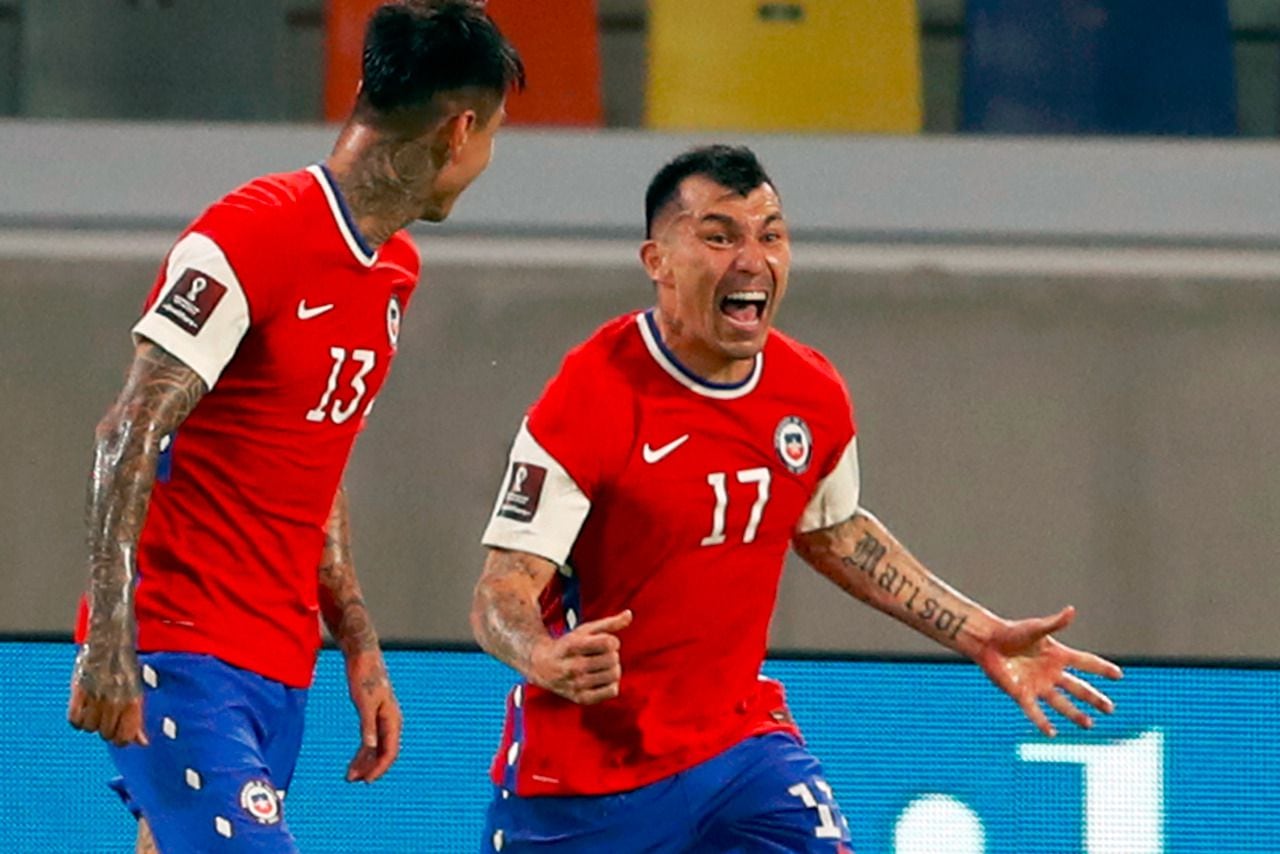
<point>477,618</point>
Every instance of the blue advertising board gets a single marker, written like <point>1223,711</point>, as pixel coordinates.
<point>923,757</point>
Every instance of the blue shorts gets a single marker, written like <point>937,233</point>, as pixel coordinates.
<point>224,742</point>
<point>765,794</point>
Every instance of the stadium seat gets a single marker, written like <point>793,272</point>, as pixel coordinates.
<point>848,66</point>
<point>560,43</point>
<point>344,23</point>
<point>557,39</point>
<point>1139,67</point>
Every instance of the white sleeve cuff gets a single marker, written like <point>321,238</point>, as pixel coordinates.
<point>201,312</point>
<point>540,509</point>
<point>836,498</point>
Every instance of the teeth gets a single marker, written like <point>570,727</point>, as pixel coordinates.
<point>748,296</point>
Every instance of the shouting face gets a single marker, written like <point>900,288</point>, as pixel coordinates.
<point>719,260</point>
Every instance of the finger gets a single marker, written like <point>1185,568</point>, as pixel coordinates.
<point>75,708</point>
<point>597,695</point>
<point>1032,710</point>
<point>367,751</point>
<point>389,723</point>
<point>1085,692</point>
<point>1068,709</point>
<point>1034,628</point>
<point>109,720</point>
<point>359,765</point>
<point>129,731</point>
<point>590,645</point>
<point>74,700</point>
<point>90,715</point>
<point>598,662</point>
<point>616,623</point>
<point>368,729</point>
<point>591,681</point>
<point>1095,664</point>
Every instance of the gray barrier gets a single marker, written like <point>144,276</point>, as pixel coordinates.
<point>1037,438</point>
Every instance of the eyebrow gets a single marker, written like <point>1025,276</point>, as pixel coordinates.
<point>722,219</point>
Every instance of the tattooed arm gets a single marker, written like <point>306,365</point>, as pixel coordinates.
<point>159,392</point>
<point>347,618</point>
<point>582,665</point>
<point>868,563</point>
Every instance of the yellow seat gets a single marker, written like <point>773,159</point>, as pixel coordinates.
<point>820,65</point>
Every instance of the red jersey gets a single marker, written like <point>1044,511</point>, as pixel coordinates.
<point>676,498</point>
<point>275,300</point>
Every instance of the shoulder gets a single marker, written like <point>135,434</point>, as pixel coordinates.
<point>803,363</point>
<point>401,251</point>
<point>601,351</point>
<point>592,379</point>
<point>255,218</point>
<point>585,416</point>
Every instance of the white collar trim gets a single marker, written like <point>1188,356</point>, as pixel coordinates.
<point>339,213</point>
<point>666,360</point>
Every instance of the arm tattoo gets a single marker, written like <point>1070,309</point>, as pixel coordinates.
<point>341,600</point>
<point>158,395</point>
<point>505,616</point>
<point>868,563</point>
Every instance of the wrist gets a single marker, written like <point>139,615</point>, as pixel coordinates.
<point>538,652</point>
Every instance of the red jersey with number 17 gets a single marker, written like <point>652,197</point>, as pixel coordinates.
<point>273,297</point>
<point>676,498</point>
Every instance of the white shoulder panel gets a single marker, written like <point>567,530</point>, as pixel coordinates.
<point>836,498</point>
<point>540,509</point>
<point>201,313</point>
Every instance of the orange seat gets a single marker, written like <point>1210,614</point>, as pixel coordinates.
<point>557,39</point>
<point>344,23</point>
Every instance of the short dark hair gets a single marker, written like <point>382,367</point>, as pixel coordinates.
<point>417,49</point>
<point>731,166</point>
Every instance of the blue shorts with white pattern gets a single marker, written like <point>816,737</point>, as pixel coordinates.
<point>224,743</point>
<point>765,795</point>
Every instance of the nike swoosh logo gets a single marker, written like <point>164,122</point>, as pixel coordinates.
<point>652,455</point>
<point>305,313</point>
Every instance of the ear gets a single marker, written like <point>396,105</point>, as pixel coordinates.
<point>457,130</point>
<point>654,259</point>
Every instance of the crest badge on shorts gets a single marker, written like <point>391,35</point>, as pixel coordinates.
<point>393,321</point>
<point>794,443</point>
<point>260,800</point>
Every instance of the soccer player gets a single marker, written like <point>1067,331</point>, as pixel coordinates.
<point>218,526</point>
<point>636,548</point>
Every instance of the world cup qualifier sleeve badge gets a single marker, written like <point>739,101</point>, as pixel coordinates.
<point>794,444</point>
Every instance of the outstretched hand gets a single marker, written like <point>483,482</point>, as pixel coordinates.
<point>1030,666</point>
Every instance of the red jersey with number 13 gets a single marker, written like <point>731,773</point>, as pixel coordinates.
<point>275,299</point>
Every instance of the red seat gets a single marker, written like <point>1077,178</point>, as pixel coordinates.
<point>558,40</point>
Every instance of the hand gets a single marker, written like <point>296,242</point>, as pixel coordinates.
<point>380,717</point>
<point>1030,666</point>
<point>583,665</point>
<point>106,694</point>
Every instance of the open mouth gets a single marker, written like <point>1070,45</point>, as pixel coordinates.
<point>744,308</point>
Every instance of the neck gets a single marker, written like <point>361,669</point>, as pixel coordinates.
<point>379,197</point>
<point>705,363</point>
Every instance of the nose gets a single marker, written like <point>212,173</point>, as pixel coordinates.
<point>751,257</point>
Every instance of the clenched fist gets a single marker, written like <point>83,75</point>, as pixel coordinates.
<point>583,665</point>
